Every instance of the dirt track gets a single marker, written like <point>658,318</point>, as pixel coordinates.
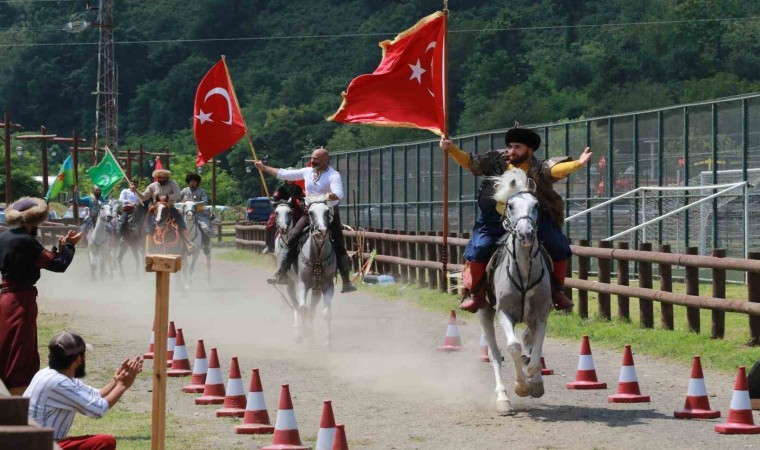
<point>388,384</point>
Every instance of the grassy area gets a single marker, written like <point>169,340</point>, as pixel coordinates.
<point>680,344</point>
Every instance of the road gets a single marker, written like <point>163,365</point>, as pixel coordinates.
<point>387,382</point>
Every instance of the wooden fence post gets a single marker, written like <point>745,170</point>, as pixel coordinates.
<point>605,266</point>
<point>583,266</point>
<point>646,306</point>
<point>431,252</point>
<point>692,288</point>
<point>569,274</point>
<point>666,284</point>
<point>623,279</point>
<point>393,250</point>
<point>753,287</point>
<point>403,251</point>
<point>415,275</point>
<point>443,282</point>
<point>718,328</point>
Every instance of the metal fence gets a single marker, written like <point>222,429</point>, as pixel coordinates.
<point>697,144</point>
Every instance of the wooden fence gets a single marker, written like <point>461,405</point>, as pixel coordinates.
<point>415,258</point>
<point>49,233</point>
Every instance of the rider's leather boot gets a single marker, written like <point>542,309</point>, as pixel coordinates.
<point>473,281</point>
<point>281,276</point>
<point>560,300</point>
<point>344,267</point>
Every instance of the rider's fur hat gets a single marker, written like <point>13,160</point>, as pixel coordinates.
<point>523,136</point>
<point>26,211</point>
<point>193,176</point>
<point>161,173</point>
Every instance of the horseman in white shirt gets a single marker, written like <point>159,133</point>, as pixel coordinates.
<point>320,179</point>
<point>128,201</point>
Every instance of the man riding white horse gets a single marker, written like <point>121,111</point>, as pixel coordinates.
<point>128,201</point>
<point>287,191</point>
<point>193,192</point>
<point>320,179</point>
<point>488,229</point>
<point>93,202</point>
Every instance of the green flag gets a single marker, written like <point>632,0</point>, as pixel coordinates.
<point>107,173</point>
<point>64,180</point>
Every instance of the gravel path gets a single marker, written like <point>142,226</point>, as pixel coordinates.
<point>388,384</point>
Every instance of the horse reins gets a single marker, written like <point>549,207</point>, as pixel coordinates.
<point>318,267</point>
<point>519,283</point>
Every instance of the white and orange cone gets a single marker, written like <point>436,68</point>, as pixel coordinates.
<point>697,404</point>
<point>171,342</point>
<point>256,417</point>
<point>200,368</point>
<point>628,384</point>
<point>180,362</point>
<point>545,370</point>
<point>452,341</point>
<point>341,443</point>
<point>585,377</point>
<point>213,390</point>
<point>740,413</point>
<point>484,349</point>
<point>152,345</point>
<point>234,401</point>
<point>326,434</point>
<point>286,436</point>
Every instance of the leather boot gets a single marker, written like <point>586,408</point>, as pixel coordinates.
<point>344,267</point>
<point>560,300</point>
<point>281,276</point>
<point>473,280</point>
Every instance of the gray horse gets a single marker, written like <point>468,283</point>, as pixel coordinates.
<point>283,214</point>
<point>189,211</point>
<point>100,242</point>
<point>316,271</point>
<point>521,290</point>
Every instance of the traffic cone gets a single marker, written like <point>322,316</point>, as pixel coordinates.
<point>452,342</point>
<point>152,345</point>
<point>213,390</point>
<point>544,369</point>
<point>256,418</point>
<point>697,404</point>
<point>628,384</point>
<point>180,363</point>
<point>234,402</point>
<point>200,368</point>
<point>740,413</point>
<point>171,342</point>
<point>326,434</point>
<point>340,438</point>
<point>585,377</point>
<point>484,349</point>
<point>286,436</point>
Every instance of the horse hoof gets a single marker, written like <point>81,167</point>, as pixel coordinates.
<point>537,389</point>
<point>504,408</point>
<point>522,390</point>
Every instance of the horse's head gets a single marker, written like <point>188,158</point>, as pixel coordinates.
<point>283,214</point>
<point>189,209</point>
<point>320,216</point>
<point>105,213</point>
<point>160,211</point>
<point>517,192</point>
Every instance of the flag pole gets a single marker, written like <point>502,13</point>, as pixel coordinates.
<point>445,227</point>
<point>248,136</point>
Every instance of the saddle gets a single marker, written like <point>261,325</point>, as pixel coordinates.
<point>498,256</point>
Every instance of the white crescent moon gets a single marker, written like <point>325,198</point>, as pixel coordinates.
<point>431,46</point>
<point>223,92</point>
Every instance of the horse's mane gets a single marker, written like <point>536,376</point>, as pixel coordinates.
<point>510,183</point>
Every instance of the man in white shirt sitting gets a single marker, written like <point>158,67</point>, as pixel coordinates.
<point>320,179</point>
<point>128,201</point>
<point>56,395</point>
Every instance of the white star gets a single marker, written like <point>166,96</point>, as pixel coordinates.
<point>203,117</point>
<point>417,71</point>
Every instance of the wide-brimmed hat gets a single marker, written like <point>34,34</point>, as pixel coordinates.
<point>523,136</point>
<point>26,211</point>
<point>161,173</point>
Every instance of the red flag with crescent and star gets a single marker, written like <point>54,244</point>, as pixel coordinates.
<point>217,121</point>
<point>408,87</point>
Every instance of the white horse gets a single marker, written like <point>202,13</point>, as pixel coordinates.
<point>100,244</point>
<point>521,290</point>
<point>316,271</point>
<point>189,211</point>
<point>283,214</point>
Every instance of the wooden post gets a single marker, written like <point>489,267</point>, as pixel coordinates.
<point>666,285</point>
<point>692,288</point>
<point>624,309</point>
<point>431,254</point>
<point>718,328</point>
<point>583,267</point>
<point>605,269</point>
<point>569,274</point>
<point>412,254</point>
<point>403,252</point>
<point>443,252</point>
<point>393,250</point>
<point>753,288</point>
<point>164,266</point>
<point>646,306</point>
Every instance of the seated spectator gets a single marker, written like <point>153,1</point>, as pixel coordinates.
<point>56,394</point>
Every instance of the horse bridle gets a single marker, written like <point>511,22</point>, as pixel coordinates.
<point>319,267</point>
<point>519,284</point>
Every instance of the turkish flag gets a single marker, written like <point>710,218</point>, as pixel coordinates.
<point>408,87</point>
<point>158,166</point>
<point>217,123</point>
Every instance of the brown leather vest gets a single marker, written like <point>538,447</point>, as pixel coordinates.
<point>551,202</point>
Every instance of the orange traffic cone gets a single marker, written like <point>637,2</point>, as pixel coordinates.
<point>200,368</point>
<point>452,342</point>
<point>628,384</point>
<point>152,345</point>
<point>697,404</point>
<point>234,402</point>
<point>180,363</point>
<point>171,342</point>
<point>256,418</point>
<point>213,390</point>
<point>340,438</point>
<point>585,377</point>
<point>740,413</point>
<point>286,436</point>
<point>544,369</point>
<point>326,434</point>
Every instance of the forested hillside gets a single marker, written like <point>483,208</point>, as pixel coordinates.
<point>526,60</point>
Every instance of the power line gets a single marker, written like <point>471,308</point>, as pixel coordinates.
<point>353,35</point>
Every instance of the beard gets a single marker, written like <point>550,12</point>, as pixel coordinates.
<point>163,182</point>
<point>80,372</point>
<point>517,160</point>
